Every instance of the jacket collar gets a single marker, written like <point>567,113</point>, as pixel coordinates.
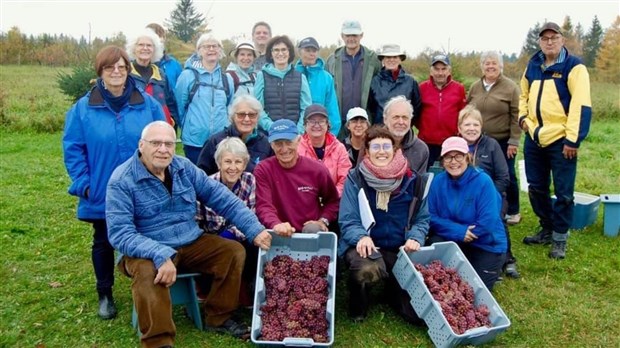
<point>96,98</point>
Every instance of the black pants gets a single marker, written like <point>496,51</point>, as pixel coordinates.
<point>102,257</point>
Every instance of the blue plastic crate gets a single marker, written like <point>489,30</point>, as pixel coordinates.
<point>429,310</point>
<point>611,216</point>
<point>301,246</point>
<point>585,210</point>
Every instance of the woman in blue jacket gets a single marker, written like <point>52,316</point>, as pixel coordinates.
<point>102,130</point>
<point>465,208</point>
<point>393,195</point>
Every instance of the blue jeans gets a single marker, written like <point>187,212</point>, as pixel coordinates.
<point>541,163</point>
<point>192,153</point>
<point>512,192</point>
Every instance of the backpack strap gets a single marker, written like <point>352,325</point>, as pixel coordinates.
<point>235,78</point>
<point>197,83</point>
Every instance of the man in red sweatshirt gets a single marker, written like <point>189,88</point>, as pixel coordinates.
<point>293,193</point>
<point>442,99</point>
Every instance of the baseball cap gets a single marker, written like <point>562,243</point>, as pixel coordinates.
<point>356,112</point>
<point>243,45</point>
<point>282,129</point>
<point>315,109</point>
<point>440,58</point>
<point>308,42</point>
<point>454,144</point>
<point>352,28</point>
<point>550,26</point>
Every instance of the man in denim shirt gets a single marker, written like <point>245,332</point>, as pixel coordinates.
<point>150,211</point>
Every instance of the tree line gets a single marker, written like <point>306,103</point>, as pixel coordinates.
<point>598,47</point>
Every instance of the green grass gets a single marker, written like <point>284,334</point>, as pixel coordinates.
<point>49,299</point>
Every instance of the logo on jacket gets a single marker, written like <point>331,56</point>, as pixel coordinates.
<point>557,75</point>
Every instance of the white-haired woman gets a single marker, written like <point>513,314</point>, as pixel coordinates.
<point>232,159</point>
<point>243,114</point>
<point>144,50</point>
<point>497,98</point>
<point>203,93</point>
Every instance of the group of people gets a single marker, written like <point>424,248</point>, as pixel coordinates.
<point>273,146</point>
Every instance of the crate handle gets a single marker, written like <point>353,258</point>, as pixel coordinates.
<point>479,331</point>
<point>298,342</point>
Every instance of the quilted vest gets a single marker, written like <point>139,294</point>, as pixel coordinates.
<point>283,96</point>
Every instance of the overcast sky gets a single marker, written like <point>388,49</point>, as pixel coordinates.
<point>457,26</point>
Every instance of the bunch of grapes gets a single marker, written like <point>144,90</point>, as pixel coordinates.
<point>455,296</point>
<point>296,299</point>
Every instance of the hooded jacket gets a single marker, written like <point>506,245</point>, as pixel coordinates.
<point>157,87</point>
<point>247,78</point>
<point>323,91</point>
<point>416,152</point>
<point>207,113</point>
<point>471,199</point>
<point>96,140</point>
<point>336,158</point>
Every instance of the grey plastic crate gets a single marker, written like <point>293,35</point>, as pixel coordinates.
<point>429,310</point>
<point>299,247</point>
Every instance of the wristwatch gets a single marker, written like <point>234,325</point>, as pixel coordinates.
<point>325,221</point>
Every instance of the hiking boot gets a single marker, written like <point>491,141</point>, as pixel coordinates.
<point>542,237</point>
<point>513,219</point>
<point>558,250</point>
<point>232,328</point>
<point>510,270</point>
<point>107,308</point>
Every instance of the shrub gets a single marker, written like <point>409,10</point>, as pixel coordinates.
<point>75,84</point>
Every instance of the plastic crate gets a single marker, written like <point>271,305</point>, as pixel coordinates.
<point>585,210</point>
<point>429,310</point>
<point>299,247</point>
<point>611,215</point>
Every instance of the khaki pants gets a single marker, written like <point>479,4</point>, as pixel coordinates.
<point>209,254</point>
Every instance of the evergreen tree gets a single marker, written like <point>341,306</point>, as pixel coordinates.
<point>184,21</point>
<point>571,38</point>
<point>531,42</point>
<point>607,66</point>
<point>592,42</point>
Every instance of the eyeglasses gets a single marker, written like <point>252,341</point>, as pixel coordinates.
<point>209,47</point>
<point>459,157</point>
<point>317,122</point>
<point>145,45</point>
<point>111,68</point>
<point>379,147</point>
<point>279,50</point>
<point>157,143</point>
<point>243,115</point>
<point>552,39</point>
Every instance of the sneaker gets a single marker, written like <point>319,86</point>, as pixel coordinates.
<point>513,219</point>
<point>542,237</point>
<point>558,250</point>
<point>232,328</point>
<point>510,270</point>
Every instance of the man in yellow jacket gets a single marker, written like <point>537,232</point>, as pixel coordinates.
<point>555,112</point>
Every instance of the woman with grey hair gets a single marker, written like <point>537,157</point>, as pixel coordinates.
<point>497,99</point>
<point>203,93</point>
<point>232,157</point>
<point>243,114</point>
<point>144,50</point>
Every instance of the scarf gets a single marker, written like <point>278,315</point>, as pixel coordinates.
<point>117,103</point>
<point>384,179</point>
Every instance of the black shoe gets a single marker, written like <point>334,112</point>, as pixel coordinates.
<point>558,250</point>
<point>107,308</point>
<point>542,237</point>
<point>232,328</point>
<point>510,270</point>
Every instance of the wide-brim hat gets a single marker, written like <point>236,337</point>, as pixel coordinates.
<point>244,46</point>
<point>391,50</point>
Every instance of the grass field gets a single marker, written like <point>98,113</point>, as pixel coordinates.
<point>49,300</point>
